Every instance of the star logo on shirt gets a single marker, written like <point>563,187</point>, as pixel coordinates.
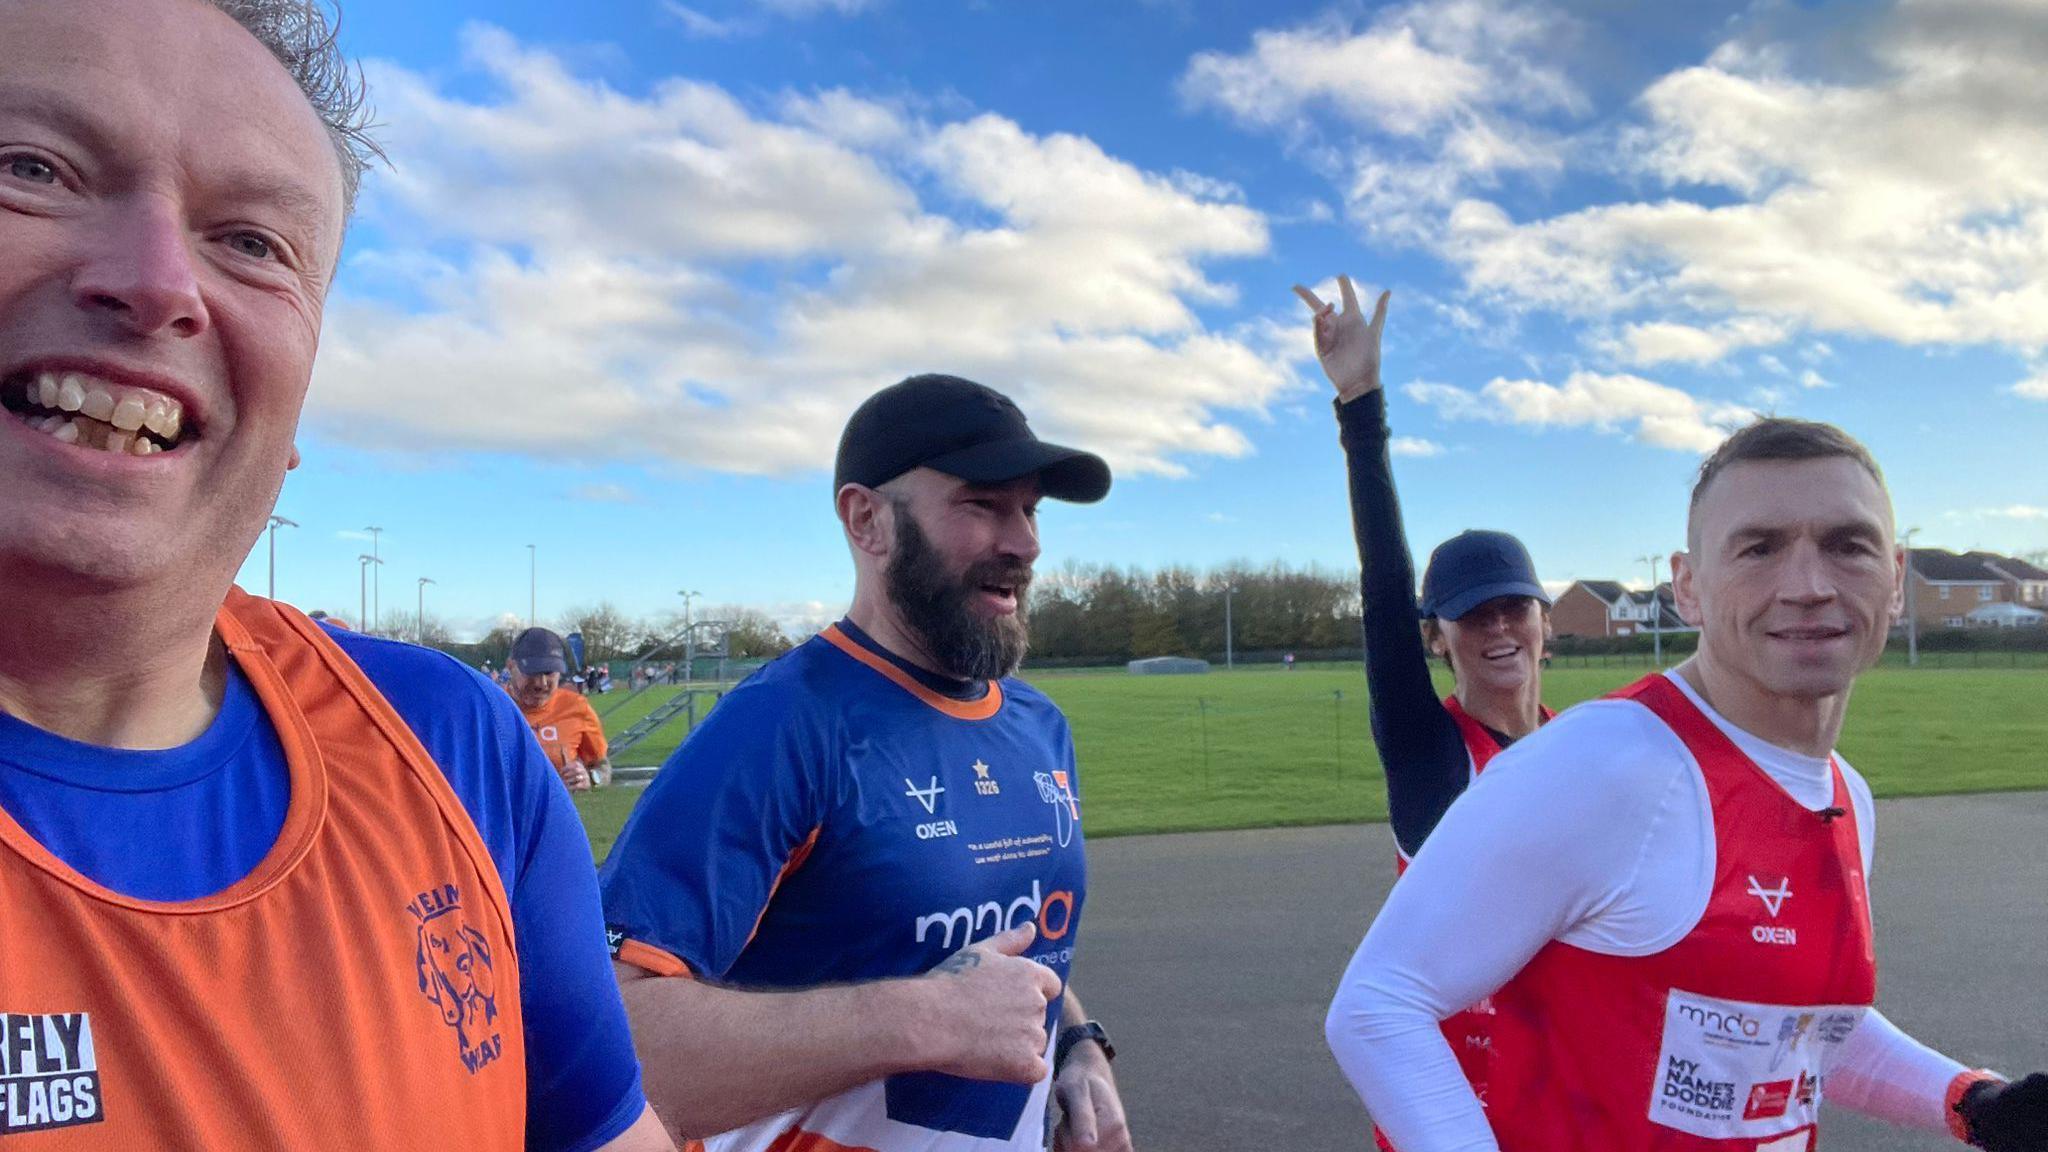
<point>1773,898</point>
<point>983,784</point>
<point>927,795</point>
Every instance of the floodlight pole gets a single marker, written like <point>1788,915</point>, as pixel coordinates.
<point>1229,641</point>
<point>376,578</point>
<point>689,636</point>
<point>1656,613</point>
<point>275,523</point>
<point>419,626</point>
<point>363,565</point>
<point>1912,605</point>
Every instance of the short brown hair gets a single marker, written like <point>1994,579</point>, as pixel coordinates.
<point>1779,438</point>
<point>300,35</point>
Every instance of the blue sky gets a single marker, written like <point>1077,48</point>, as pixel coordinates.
<point>632,263</point>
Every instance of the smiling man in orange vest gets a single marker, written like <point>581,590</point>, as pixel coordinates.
<point>265,884</point>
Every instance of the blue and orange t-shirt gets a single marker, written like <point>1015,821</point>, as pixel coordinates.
<point>836,819</point>
<point>359,909</point>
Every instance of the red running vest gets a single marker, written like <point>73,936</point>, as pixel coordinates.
<point>358,989</point>
<point>1470,1032</point>
<point>1718,1041</point>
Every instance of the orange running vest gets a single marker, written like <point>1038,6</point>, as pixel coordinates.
<point>359,989</point>
<point>1715,1044</point>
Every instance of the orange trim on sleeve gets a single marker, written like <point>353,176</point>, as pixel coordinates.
<point>980,709</point>
<point>798,1140</point>
<point>653,960</point>
<point>1958,1125</point>
<point>795,861</point>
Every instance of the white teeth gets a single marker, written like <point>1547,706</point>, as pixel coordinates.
<point>99,404</point>
<point>118,441</point>
<point>174,422</point>
<point>144,446</point>
<point>67,432</point>
<point>70,394</point>
<point>46,389</point>
<point>128,413</point>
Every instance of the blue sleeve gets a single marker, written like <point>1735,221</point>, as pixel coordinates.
<point>582,1076</point>
<point>693,870</point>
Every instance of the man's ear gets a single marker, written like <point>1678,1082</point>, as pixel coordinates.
<point>1684,593</point>
<point>294,461</point>
<point>868,517</point>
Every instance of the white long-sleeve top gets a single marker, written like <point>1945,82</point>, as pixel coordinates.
<point>1597,831</point>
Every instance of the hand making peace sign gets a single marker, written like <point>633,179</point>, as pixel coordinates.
<point>1348,347</point>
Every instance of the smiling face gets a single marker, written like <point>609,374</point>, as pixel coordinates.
<point>170,215</point>
<point>1793,577</point>
<point>960,567</point>
<point>1496,648</point>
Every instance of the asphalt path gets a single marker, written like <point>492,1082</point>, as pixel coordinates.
<point>1211,957</point>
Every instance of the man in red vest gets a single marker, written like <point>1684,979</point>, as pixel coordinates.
<point>1664,892</point>
<point>266,884</point>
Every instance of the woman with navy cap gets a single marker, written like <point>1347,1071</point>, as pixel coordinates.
<point>1483,611</point>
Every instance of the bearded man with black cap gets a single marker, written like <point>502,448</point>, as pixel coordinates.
<point>882,828</point>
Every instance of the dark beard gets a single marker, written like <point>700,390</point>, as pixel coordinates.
<point>934,604</point>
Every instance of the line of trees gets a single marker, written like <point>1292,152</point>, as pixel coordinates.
<point>1098,614</point>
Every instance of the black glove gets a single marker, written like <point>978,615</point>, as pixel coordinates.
<point>2007,1117</point>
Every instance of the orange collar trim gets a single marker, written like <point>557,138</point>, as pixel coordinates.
<point>980,709</point>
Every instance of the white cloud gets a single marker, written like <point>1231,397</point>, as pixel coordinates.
<point>606,494</point>
<point>1414,446</point>
<point>1424,100</point>
<point>1773,365</point>
<point>1663,342</point>
<point>703,27</point>
<point>813,7</point>
<point>1907,202</point>
<point>684,277</point>
<point>2034,387</point>
<point>1653,413</point>
<point>1812,379</point>
<point>2017,512</point>
<point>1885,180</point>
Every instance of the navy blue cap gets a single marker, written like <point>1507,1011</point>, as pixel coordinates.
<point>538,652</point>
<point>1476,566</point>
<point>963,429</point>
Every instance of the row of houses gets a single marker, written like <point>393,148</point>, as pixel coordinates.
<point>1946,590</point>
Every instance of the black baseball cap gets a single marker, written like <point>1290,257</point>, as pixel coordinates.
<point>963,429</point>
<point>538,652</point>
<point>1476,566</point>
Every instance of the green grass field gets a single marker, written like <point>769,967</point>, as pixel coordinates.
<point>1264,748</point>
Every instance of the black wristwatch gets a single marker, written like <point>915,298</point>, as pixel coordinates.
<point>1076,1035</point>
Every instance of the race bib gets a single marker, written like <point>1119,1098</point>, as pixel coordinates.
<point>1731,1070</point>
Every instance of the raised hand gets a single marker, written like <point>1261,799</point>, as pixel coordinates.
<point>987,1010</point>
<point>575,776</point>
<point>1348,347</point>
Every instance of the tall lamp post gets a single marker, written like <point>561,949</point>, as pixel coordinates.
<point>276,522</point>
<point>363,565</point>
<point>1656,612</point>
<point>532,586</point>
<point>1229,633</point>
<point>419,625</point>
<point>689,636</point>
<point>376,578</point>
<point>1912,604</point>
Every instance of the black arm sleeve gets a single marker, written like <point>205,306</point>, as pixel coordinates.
<point>1426,764</point>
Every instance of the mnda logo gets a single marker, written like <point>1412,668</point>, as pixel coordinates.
<point>1053,913</point>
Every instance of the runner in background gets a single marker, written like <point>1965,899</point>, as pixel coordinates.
<point>1483,612</point>
<point>1666,892</point>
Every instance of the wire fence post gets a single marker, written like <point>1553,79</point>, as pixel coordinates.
<point>1337,745</point>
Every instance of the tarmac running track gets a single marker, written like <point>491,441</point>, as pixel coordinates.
<point>1211,958</point>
